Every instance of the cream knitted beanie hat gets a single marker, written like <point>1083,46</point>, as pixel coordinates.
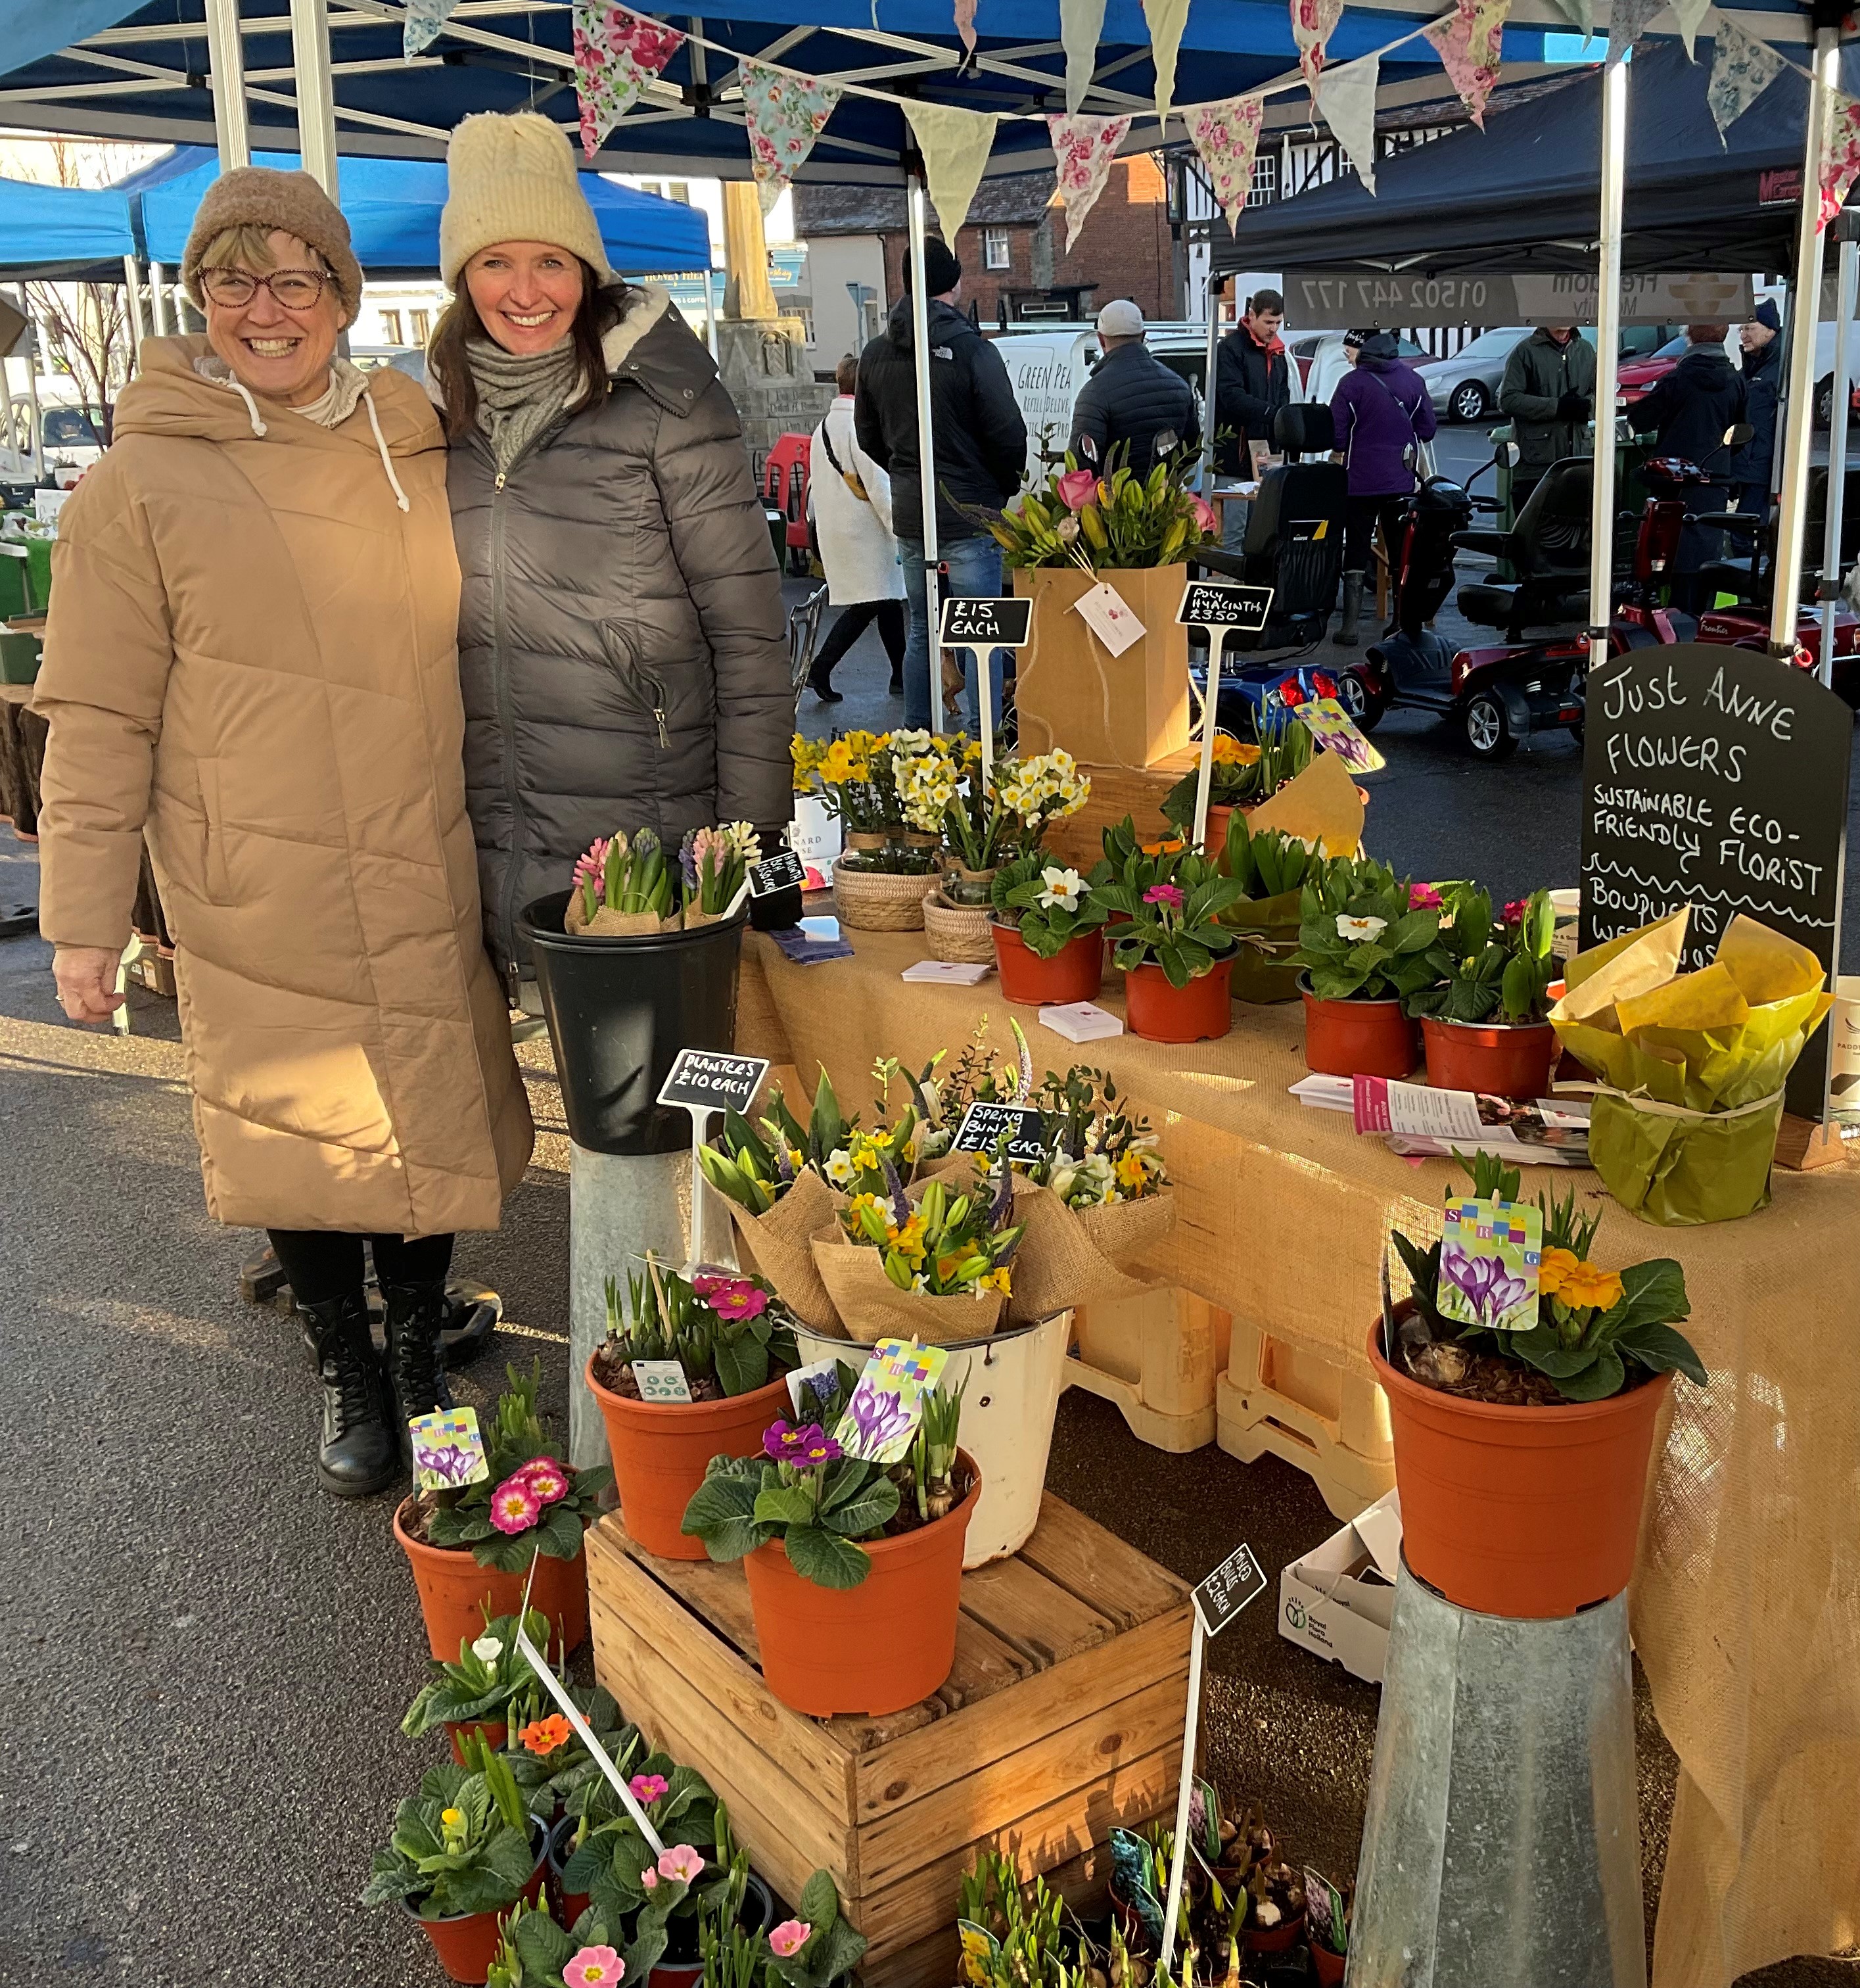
<point>513,179</point>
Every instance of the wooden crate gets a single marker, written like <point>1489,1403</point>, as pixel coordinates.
<point>1063,1717</point>
<point>1117,791</point>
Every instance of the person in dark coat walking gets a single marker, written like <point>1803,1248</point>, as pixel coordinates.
<point>1689,411</point>
<point>1133,399</point>
<point>979,447</point>
<point>1753,467</point>
<point>1382,414</point>
<point>1252,381</point>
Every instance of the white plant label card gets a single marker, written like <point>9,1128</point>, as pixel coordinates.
<point>947,972</point>
<point>661,1381</point>
<point>1110,617</point>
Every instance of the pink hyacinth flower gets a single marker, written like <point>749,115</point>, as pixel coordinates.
<point>790,1937</point>
<point>595,1967</point>
<point>682,1862</point>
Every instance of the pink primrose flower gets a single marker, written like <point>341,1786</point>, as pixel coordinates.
<point>514,1507</point>
<point>790,1937</point>
<point>595,1967</point>
<point>682,1862</point>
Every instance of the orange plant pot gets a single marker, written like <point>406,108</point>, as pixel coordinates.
<point>496,1732</point>
<point>453,1589</point>
<point>1196,1014</point>
<point>1281,1939</point>
<point>1075,973</point>
<point>1531,1513</point>
<point>1358,1038</point>
<point>877,1647</point>
<point>660,1448</point>
<point>466,1943</point>
<point>1328,1966</point>
<point>1502,1059</point>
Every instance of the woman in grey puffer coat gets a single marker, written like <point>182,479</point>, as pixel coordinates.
<point>622,640</point>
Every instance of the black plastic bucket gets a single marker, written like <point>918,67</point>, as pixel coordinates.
<point>619,1010</point>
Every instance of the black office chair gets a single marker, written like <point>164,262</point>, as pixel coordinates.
<point>1548,548</point>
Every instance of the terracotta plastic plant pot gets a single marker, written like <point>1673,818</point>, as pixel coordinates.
<point>660,1450</point>
<point>1328,1966</point>
<point>1503,1059</point>
<point>1216,839</point>
<point>1280,1938</point>
<point>496,1732</point>
<point>1075,973</point>
<point>467,1944</point>
<point>1531,1513</point>
<point>1196,1014</point>
<point>875,1648</point>
<point>1358,1038</point>
<point>569,1905</point>
<point>452,1586</point>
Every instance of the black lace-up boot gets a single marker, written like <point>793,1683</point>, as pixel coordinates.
<point>358,1455</point>
<point>416,1363</point>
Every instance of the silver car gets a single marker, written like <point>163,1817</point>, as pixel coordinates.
<point>1465,387</point>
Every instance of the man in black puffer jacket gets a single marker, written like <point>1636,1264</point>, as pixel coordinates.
<point>1131,397</point>
<point>979,442</point>
<point>1690,411</point>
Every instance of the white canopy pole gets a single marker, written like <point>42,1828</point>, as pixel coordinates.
<point>316,91</point>
<point>32,344</point>
<point>138,319</point>
<point>1791,523</point>
<point>710,310</point>
<point>927,458</point>
<point>1608,348</point>
<point>1847,300</point>
<point>226,64</point>
<point>1213,367</point>
<point>158,300</point>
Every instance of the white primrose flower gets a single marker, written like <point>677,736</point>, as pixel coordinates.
<point>487,1649</point>
<point>1360,930</point>
<point>1063,889</point>
<point>840,1168</point>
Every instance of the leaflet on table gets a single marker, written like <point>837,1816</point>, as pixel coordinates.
<point>1416,1119</point>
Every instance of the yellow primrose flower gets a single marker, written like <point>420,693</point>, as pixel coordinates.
<point>1593,1287</point>
<point>1555,1268</point>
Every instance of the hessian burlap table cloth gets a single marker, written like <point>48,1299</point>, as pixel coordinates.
<point>1746,1605</point>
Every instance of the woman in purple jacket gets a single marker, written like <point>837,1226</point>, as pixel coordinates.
<point>1382,415</point>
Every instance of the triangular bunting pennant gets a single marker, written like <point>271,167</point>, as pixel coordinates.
<point>1226,137</point>
<point>1841,162</point>
<point>1346,95</point>
<point>1083,148</point>
<point>1312,24</point>
<point>617,53</point>
<point>1167,18</point>
<point>965,23</point>
<point>1467,41</point>
<point>1688,15</point>
<point>955,145</point>
<point>1742,68</point>
<point>785,112</point>
<point>424,19</point>
<point>1081,24</point>
<point>1627,22</point>
<point>1582,14</point>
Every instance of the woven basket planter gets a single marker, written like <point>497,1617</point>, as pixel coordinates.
<point>959,932</point>
<point>874,900</point>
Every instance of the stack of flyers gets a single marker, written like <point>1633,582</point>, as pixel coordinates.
<point>1416,1119</point>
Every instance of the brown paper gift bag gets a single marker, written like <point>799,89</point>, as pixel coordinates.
<point>778,1242</point>
<point>871,1306</point>
<point>1070,690</point>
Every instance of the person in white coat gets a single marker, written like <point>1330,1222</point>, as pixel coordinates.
<point>849,498</point>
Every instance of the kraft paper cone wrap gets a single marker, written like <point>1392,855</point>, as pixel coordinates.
<point>779,1243</point>
<point>871,1308</point>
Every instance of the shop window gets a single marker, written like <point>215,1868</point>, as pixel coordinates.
<point>390,327</point>
<point>423,326</point>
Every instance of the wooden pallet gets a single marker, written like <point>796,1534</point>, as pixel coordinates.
<point>1063,1717</point>
<point>1313,1412</point>
<point>1117,791</point>
<point>1157,1358</point>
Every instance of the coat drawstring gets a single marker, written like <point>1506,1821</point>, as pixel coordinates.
<point>387,461</point>
<point>251,406</point>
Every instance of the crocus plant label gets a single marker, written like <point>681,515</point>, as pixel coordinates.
<point>888,1404</point>
<point>1323,1910</point>
<point>448,1449</point>
<point>661,1381</point>
<point>1490,1251</point>
<point>1335,729</point>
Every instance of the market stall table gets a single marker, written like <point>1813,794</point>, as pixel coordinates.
<point>1742,1606</point>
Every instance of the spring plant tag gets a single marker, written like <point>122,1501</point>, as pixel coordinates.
<point>1489,1252</point>
<point>1333,728</point>
<point>1323,1912</point>
<point>448,1449</point>
<point>661,1381</point>
<point>980,1951</point>
<point>888,1404</point>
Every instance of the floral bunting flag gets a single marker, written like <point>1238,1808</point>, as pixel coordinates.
<point>1346,95</point>
<point>1627,22</point>
<point>1313,22</point>
<point>424,19</point>
<point>786,113</point>
<point>1841,162</point>
<point>1167,18</point>
<point>965,23</point>
<point>1468,41</point>
<point>1081,24</point>
<point>1688,17</point>
<point>1742,68</point>
<point>1226,137</point>
<point>1083,148</point>
<point>617,53</point>
<point>955,145</point>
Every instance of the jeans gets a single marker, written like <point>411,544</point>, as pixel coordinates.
<point>322,1264</point>
<point>974,571</point>
<point>1236,512</point>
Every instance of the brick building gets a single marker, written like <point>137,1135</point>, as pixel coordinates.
<point>1012,247</point>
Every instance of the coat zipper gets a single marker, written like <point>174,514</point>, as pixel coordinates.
<point>513,793</point>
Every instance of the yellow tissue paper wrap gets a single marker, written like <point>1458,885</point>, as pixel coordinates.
<point>1690,1065</point>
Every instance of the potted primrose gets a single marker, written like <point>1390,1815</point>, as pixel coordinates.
<point>1245,775</point>
<point>855,1568</point>
<point>490,1691</point>
<point>471,1547</point>
<point>732,1342</point>
<point>1048,933</point>
<point>1521,1454</point>
<point>678,1802</point>
<point>1175,953</point>
<point>1485,1022</point>
<point>1364,947</point>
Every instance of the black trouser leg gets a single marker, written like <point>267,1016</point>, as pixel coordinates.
<point>424,1260</point>
<point>892,632</point>
<point>319,1264</point>
<point>1361,516</point>
<point>852,623</point>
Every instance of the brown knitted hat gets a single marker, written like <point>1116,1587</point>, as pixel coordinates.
<point>260,197</point>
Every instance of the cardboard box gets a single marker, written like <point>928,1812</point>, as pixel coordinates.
<point>1337,1602</point>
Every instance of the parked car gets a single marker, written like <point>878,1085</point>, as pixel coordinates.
<point>1326,365</point>
<point>1640,378</point>
<point>1465,387</point>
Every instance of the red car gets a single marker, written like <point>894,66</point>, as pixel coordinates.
<point>1639,377</point>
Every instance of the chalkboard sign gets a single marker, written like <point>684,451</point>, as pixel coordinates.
<point>1228,1589</point>
<point>1716,778</point>
<point>982,1125</point>
<point>1003,624</point>
<point>783,872</point>
<point>708,1080</point>
<point>1223,603</point>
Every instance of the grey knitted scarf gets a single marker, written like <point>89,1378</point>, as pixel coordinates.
<point>519,395</point>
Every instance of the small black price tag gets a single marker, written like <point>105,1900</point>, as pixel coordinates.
<point>1219,603</point>
<point>1228,1589</point>
<point>776,872</point>
<point>1003,624</point>
<point>711,1080</point>
<point>982,1125</point>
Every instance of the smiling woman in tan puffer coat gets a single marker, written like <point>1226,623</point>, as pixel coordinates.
<point>252,657</point>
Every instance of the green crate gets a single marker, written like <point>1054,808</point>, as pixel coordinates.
<point>19,656</point>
